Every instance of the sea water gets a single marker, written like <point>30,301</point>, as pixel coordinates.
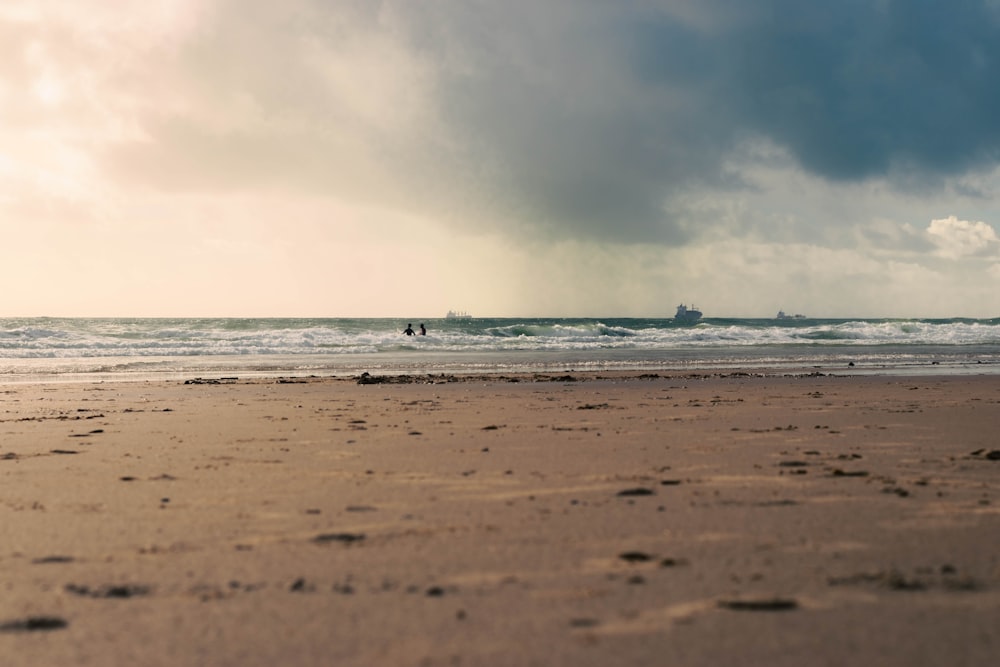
<point>73,349</point>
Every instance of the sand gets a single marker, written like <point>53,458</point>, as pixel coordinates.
<point>726,519</point>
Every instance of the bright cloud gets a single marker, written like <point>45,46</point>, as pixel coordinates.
<point>962,238</point>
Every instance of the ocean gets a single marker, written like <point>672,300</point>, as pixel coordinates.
<point>84,349</point>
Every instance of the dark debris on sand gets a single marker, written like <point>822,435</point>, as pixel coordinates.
<point>444,378</point>
<point>635,557</point>
<point>46,560</point>
<point>368,378</point>
<point>109,591</point>
<point>343,538</point>
<point>763,604</point>
<point>226,380</point>
<point>947,577</point>
<point>34,624</point>
<point>638,491</point>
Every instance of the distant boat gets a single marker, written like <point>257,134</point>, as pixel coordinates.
<point>685,314</point>
<point>782,316</point>
<point>457,315</point>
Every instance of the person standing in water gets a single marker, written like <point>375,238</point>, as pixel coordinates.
<point>423,331</point>
<point>408,330</point>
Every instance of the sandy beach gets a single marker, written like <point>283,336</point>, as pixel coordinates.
<point>565,519</point>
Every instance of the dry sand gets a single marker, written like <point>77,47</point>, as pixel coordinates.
<point>668,520</point>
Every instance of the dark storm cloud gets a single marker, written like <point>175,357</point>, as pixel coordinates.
<point>601,117</point>
<point>576,142</point>
<point>852,89</point>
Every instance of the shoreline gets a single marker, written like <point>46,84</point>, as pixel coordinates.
<point>584,518</point>
<point>353,371</point>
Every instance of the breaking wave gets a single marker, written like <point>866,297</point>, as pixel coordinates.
<point>51,345</point>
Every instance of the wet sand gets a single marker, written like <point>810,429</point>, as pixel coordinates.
<point>568,519</point>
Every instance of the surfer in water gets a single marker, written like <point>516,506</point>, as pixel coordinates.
<point>408,330</point>
<point>423,331</point>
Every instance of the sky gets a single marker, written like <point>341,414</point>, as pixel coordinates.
<point>574,158</point>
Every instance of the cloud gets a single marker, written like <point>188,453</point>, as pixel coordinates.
<point>852,90</point>
<point>961,238</point>
<point>616,151</point>
<point>602,121</point>
<point>558,120</point>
